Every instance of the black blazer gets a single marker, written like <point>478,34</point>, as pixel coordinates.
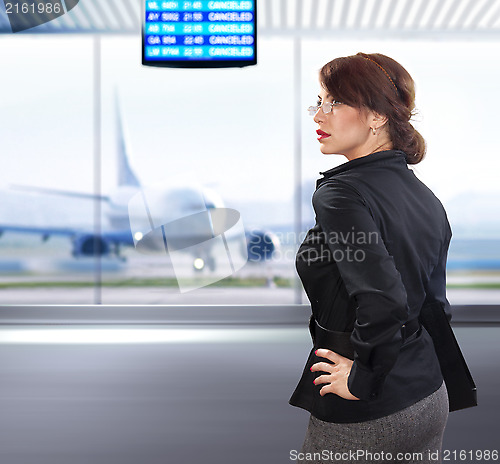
<point>376,255</point>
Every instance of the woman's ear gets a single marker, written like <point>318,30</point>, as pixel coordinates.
<point>377,120</point>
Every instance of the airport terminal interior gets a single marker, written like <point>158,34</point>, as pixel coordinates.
<point>157,183</point>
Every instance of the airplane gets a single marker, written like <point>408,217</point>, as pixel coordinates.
<point>173,206</point>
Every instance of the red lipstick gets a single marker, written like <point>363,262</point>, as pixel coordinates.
<point>322,134</point>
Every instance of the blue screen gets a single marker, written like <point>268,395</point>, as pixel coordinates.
<point>203,31</point>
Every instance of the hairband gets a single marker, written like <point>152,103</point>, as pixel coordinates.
<point>385,72</point>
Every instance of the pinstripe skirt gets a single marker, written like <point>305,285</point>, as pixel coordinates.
<point>413,435</point>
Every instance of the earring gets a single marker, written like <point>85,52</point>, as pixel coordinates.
<point>373,130</point>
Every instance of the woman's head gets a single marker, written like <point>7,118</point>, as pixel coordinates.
<point>381,88</point>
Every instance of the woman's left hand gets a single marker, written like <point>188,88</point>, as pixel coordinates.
<point>338,372</point>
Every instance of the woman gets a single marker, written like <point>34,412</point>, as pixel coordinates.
<point>376,255</point>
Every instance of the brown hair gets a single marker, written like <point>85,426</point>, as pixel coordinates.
<point>381,84</point>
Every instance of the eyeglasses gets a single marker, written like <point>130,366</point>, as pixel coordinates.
<point>325,106</point>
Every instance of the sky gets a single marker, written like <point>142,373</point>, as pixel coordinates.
<point>233,128</point>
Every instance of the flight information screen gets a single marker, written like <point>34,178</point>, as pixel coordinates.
<point>203,33</point>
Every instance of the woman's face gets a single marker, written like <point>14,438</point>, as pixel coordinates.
<point>345,130</point>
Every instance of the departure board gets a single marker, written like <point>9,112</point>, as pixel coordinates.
<point>199,34</point>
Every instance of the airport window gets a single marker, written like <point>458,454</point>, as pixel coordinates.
<point>204,161</point>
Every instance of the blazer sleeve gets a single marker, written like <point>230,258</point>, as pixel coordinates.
<point>371,279</point>
<point>435,289</point>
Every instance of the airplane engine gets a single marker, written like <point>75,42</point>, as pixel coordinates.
<point>90,245</point>
<point>261,245</point>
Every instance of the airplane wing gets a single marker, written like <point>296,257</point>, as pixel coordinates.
<point>85,242</point>
<point>46,232</point>
<point>62,193</point>
<point>48,212</point>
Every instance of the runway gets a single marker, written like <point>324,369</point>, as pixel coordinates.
<point>126,282</point>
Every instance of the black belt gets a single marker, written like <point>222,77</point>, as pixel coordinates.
<point>410,328</point>
<point>340,342</point>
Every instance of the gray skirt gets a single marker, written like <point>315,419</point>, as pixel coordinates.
<point>412,435</point>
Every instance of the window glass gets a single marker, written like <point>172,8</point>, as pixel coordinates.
<point>47,147</point>
<point>177,145</point>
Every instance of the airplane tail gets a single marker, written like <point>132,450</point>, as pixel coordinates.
<point>126,176</point>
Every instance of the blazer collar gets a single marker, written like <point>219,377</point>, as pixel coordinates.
<point>393,157</point>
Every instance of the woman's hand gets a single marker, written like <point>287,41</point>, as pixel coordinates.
<point>338,372</point>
